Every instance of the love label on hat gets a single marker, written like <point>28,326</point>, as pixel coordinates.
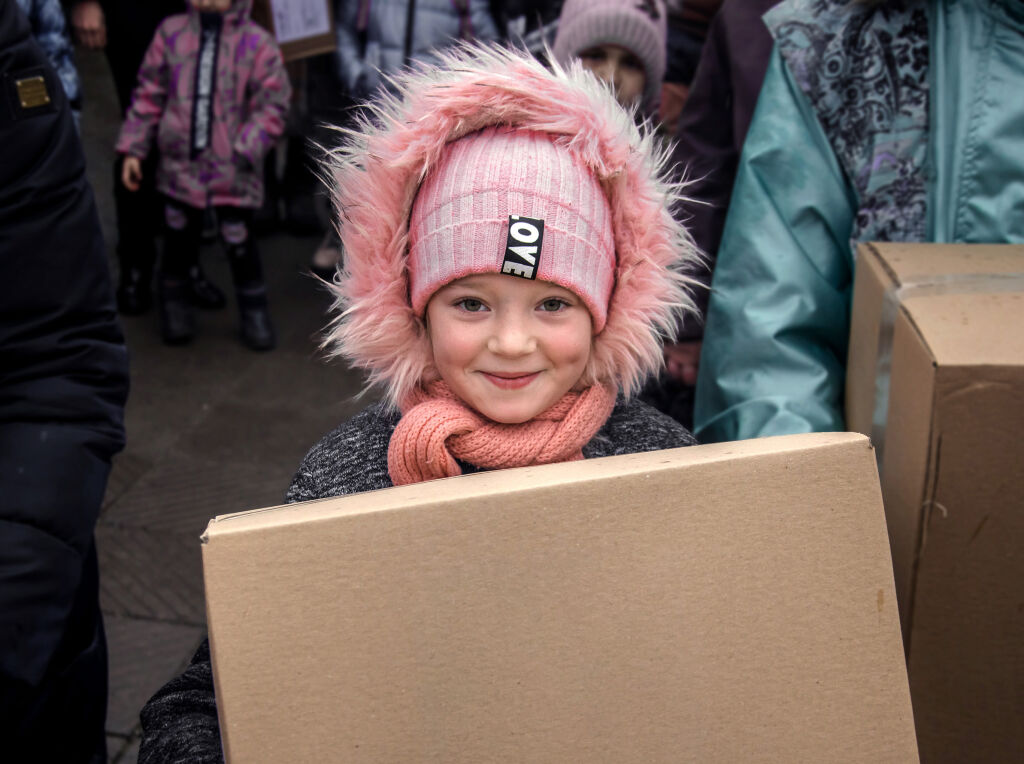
<point>522,248</point>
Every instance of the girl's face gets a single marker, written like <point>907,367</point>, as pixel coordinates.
<point>618,67</point>
<point>212,6</point>
<point>509,347</point>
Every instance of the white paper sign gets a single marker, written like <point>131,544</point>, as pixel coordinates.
<point>299,19</point>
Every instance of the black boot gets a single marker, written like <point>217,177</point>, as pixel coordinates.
<point>203,293</point>
<point>177,318</point>
<point>256,329</point>
<point>134,294</point>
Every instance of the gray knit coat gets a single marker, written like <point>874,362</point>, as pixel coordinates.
<point>180,723</point>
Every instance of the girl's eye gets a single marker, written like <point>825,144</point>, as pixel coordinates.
<point>471,305</point>
<point>553,305</point>
<point>632,62</point>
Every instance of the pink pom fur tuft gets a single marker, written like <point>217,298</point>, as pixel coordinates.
<point>385,158</point>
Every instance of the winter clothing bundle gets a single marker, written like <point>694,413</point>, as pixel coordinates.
<point>639,26</point>
<point>407,137</point>
<point>439,428</point>
<point>214,91</point>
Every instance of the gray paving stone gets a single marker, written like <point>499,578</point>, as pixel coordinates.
<point>150,574</point>
<point>250,434</point>
<point>115,745</point>
<point>174,389</point>
<point>301,379</point>
<point>144,655</point>
<point>127,469</point>
<point>184,492</point>
<point>130,755</point>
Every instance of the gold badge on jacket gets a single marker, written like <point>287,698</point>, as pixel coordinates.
<point>32,92</point>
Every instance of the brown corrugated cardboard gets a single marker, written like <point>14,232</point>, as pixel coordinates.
<point>953,480</point>
<point>731,602</point>
<point>312,43</point>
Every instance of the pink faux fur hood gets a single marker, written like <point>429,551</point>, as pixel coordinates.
<point>376,173</point>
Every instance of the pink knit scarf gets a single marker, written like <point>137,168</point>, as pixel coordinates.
<point>437,428</point>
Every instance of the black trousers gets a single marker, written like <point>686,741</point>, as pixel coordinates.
<point>72,694</point>
<point>183,228</point>
<point>130,28</point>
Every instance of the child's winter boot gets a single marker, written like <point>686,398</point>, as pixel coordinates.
<point>203,292</point>
<point>177,317</point>
<point>256,329</point>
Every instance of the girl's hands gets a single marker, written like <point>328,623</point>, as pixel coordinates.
<point>131,173</point>
<point>89,24</point>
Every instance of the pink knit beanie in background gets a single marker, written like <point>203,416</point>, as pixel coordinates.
<point>639,26</point>
<point>478,212</point>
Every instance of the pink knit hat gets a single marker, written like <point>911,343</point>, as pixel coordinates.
<point>512,201</point>
<point>639,26</point>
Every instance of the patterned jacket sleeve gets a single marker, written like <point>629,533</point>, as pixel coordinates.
<point>180,722</point>
<point>148,101</point>
<point>775,344</point>
<point>50,29</point>
<point>269,92</point>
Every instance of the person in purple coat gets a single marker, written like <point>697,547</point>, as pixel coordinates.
<point>212,94</point>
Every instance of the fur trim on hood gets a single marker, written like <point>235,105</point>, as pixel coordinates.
<point>376,174</point>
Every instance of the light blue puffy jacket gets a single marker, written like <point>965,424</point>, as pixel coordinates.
<point>436,23</point>
<point>875,122</point>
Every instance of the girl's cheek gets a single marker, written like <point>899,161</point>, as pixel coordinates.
<point>574,349</point>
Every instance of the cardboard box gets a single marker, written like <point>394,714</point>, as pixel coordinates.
<point>729,603</point>
<point>302,28</point>
<point>952,471</point>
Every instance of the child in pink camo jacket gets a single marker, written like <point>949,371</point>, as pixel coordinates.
<point>213,92</point>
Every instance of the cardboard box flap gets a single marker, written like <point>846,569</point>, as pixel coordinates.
<point>717,603</point>
<point>971,329</point>
<point>476,485</point>
<point>961,297</point>
<point>908,262</point>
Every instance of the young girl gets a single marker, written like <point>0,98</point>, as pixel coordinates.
<point>509,273</point>
<point>623,42</point>
<point>213,90</point>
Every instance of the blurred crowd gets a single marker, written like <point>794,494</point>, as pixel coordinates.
<point>799,126</point>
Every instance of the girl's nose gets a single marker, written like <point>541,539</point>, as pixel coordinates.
<point>613,75</point>
<point>511,338</point>
<point>607,72</point>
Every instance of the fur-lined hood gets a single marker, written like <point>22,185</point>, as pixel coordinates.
<point>377,172</point>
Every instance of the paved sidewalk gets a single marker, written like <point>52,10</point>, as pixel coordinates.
<point>212,428</point>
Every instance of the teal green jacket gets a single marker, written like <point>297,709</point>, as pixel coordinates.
<point>884,123</point>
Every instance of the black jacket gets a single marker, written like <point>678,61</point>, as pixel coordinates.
<point>63,384</point>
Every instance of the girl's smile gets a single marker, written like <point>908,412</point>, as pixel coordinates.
<point>510,381</point>
<point>508,347</point>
